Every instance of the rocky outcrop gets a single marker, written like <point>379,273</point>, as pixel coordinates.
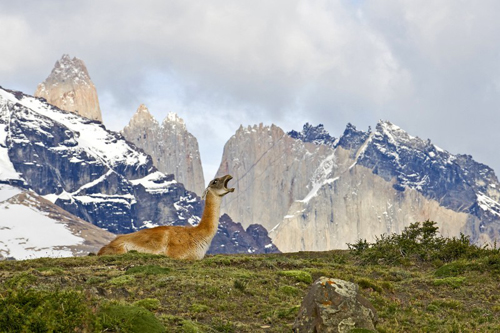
<point>334,305</point>
<point>78,165</point>
<point>358,186</point>
<point>232,238</point>
<point>271,170</point>
<point>315,134</point>
<point>70,88</point>
<point>173,149</point>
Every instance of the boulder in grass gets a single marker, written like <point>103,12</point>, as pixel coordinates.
<point>334,305</point>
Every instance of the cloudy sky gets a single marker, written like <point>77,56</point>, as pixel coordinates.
<point>431,67</point>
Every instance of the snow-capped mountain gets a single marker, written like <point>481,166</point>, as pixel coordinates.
<point>90,172</point>
<point>358,186</point>
<point>70,88</point>
<point>33,227</point>
<point>173,149</point>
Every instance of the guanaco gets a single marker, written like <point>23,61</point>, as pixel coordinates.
<point>178,242</point>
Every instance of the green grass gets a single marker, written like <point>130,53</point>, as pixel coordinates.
<point>243,293</point>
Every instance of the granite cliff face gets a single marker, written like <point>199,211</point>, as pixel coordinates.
<point>70,88</point>
<point>173,149</point>
<point>94,174</point>
<point>271,170</point>
<point>360,186</point>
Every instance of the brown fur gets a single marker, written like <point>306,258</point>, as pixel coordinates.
<point>174,241</point>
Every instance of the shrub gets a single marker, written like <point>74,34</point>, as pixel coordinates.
<point>29,310</point>
<point>127,318</point>
<point>417,242</point>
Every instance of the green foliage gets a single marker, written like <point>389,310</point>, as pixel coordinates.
<point>29,310</point>
<point>417,242</point>
<point>20,280</point>
<point>289,313</point>
<point>367,283</point>
<point>452,269</point>
<point>447,304</point>
<point>49,271</point>
<point>220,325</point>
<point>148,303</point>
<point>300,276</point>
<point>289,290</point>
<point>454,282</point>
<point>240,285</point>
<point>127,318</point>
<point>122,280</point>
<point>198,308</point>
<point>147,270</point>
<point>201,296</point>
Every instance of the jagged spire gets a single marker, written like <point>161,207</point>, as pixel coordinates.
<point>70,88</point>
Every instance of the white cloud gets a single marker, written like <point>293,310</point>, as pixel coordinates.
<point>430,67</point>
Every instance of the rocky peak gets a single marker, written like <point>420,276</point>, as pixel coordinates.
<point>352,139</point>
<point>70,88</point>
<point>67,69</point>
<point>174,150</point>
<point>172,120</point>
<point>315,134</point>
<point>143,118</point>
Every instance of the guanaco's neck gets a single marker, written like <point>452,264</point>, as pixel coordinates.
<point>210,218</point>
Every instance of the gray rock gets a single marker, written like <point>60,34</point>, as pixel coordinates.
<point>334,305</point>
<point>173,149</point>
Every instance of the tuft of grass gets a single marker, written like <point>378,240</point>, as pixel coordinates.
<point>240,285</point>
<point>147,270</point>
<point>452,269</point>
<point>454,282</point>
<point>299,276</point>
<point>122,280</point>
<point>50,271</point>
<point>447,304</point>
<point>148,303</point>
<point>129,318</point>
<point>369,284</point>
<point>197,308</point>
<point>20,280</point>
<point>221,325</point>
<point>289,291</point>
<point>288,313</point>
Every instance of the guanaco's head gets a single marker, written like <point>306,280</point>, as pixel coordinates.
<point>218,186</point>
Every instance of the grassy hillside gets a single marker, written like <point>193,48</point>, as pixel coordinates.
<point>244,293</point>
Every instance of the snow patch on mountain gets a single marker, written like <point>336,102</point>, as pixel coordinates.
<point>24,234</point>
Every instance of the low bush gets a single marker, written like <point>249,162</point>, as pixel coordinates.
<point>418,242</point>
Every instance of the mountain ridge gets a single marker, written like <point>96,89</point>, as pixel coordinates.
<point>90,172</point>
<point>362,184</point>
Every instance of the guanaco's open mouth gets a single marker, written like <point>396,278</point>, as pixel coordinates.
<point>226,181</point>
